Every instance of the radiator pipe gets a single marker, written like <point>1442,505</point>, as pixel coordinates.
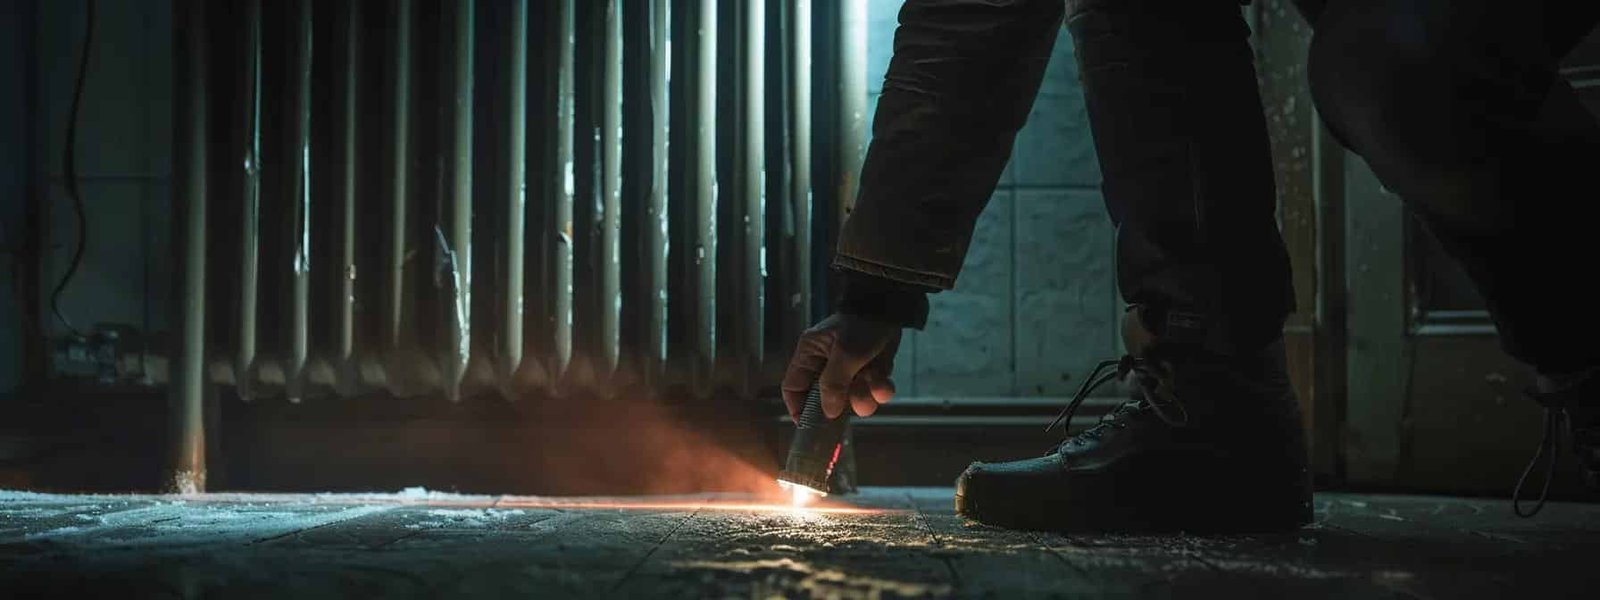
<point>610,156</point>
<point>750,169</point>
<point>186,472</point>
<point>454,232</point>
<point>655,231</point>
<point>701,156</point>
<point>563,183</point>
<point>299,184</point>
<point>399,355</point>
<point>250,213</point>
<point>347,380</point>
<point>851,122</point>
<point>799,64</point>
<point>516,200</point>
<point>397,176</point>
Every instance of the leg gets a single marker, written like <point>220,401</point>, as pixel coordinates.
<point>1457,107</point>
<point>1178,124</point>
<point>1182,143</point>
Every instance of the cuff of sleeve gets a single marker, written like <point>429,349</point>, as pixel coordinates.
<point>884,300</point>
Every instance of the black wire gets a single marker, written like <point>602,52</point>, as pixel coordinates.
<point>70,165</point>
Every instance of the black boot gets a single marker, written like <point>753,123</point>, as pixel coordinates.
<point>1574,399</point>
<point>1208,443</point>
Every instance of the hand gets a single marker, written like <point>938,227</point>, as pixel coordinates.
<point>851,358</point>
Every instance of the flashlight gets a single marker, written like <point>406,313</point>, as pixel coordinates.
<point>818,441</point>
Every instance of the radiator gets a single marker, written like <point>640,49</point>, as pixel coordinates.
<point>514,197</point>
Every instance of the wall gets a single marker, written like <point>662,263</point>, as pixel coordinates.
<point>1036,305</point>
<point>123,160</point>
<point>15,16</point>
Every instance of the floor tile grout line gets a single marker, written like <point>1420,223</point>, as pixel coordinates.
<point>264,540</point>
<point>408,535</point>
<point>1052,551</point>
<point>659,543</point>
<point>949,564</point>
<point>923,520</point>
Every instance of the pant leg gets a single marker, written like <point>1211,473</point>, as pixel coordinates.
<point>1177,121</point>
<point>960,85</point>
<point>1458,108</point>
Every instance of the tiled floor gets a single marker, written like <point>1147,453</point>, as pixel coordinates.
<point>887,542</point>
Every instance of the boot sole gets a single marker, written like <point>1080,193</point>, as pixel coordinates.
<point>1109,502</point>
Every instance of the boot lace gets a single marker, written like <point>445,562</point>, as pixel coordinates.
<point>1555,412</point>
<point>1147,375</point>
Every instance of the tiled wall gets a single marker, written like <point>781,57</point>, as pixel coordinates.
<point>1035,305</point>
<point>123,161</point>
<point>14,156</point>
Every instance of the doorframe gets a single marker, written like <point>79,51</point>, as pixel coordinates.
<point>1377,344</point>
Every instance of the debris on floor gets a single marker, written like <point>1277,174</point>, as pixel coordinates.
<point>884,542</point>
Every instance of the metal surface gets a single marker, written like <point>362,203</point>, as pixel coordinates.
<point>592,253</point>
<point>397,191</point>
<point>817,445</point>
<point>851,124</point>
<point>657,246</point>
<point>342,296</point>
<point>698,205</point>
<point>297,185</point>
<point>839,130</point>
<point>750,175</point>
<point>250,199</point>
<point>611,187</point>
<point>646,96</point>
<point>187,467</point>
<point>796,268</point>
<point>596,219</point>
<point>556,235</point>
<point>515,197</point>
<point>608,241</point>
<point>453,233</point>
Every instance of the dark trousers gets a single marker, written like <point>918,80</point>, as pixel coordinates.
<point>1456,105</point>
<point>1171,92</point>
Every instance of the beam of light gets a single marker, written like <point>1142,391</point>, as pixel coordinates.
<point>765,504</point>
<point>714,505</point>
<point>800,495</point>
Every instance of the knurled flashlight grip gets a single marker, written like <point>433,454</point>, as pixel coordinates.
<point>818,441</point>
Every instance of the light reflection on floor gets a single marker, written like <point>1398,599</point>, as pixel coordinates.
<point>714,505</point>
<point>779,503</point>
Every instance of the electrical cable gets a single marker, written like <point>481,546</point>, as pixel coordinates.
<point>70,166</point>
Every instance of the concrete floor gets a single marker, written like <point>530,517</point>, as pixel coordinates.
<point>885,542</point>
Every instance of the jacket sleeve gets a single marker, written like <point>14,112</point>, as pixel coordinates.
<point>960,85</point>
<point>884,300</point>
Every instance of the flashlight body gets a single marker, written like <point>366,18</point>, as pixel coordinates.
<point>817,444</point>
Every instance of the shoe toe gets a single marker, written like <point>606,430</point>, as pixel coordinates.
<point>963,482</point>
<point>984,489</point>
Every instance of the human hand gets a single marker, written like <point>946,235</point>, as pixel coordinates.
<point>851,358</point>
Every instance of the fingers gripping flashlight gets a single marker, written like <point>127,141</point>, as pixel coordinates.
<point>815,451</point>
